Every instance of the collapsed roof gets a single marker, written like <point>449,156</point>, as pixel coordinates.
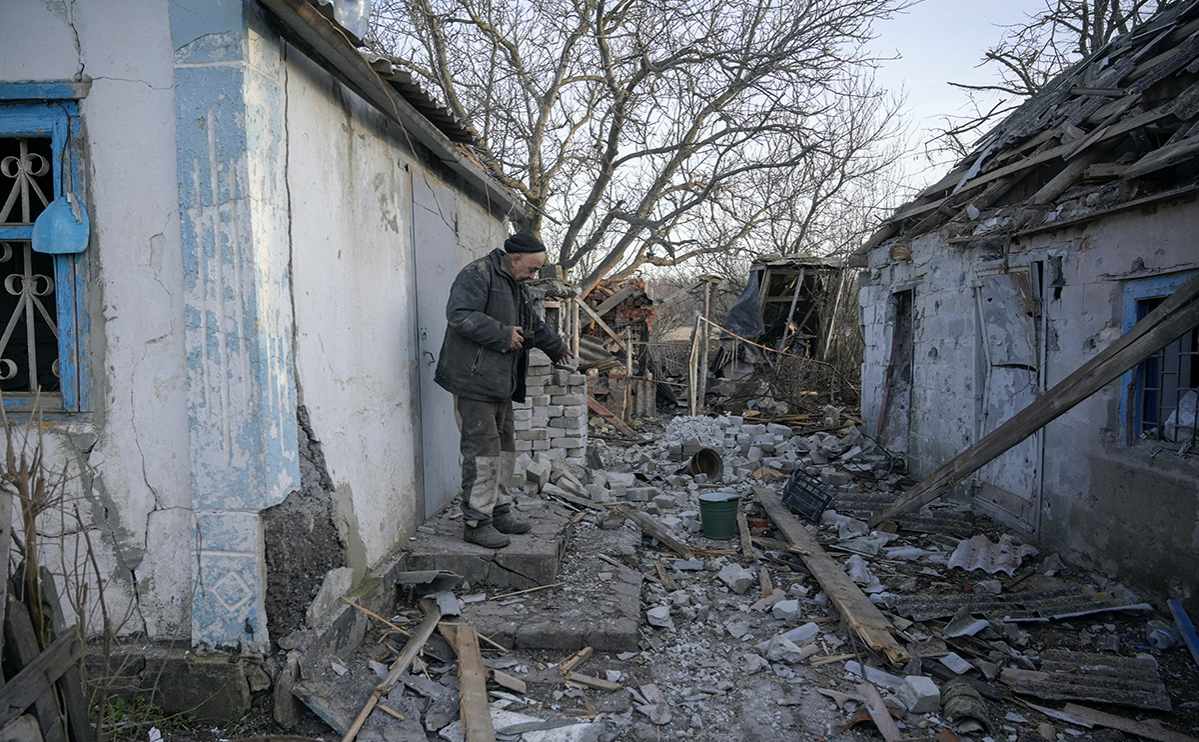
<point>1118,130</point>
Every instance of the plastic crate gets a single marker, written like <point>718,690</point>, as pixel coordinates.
<point>805,495</point>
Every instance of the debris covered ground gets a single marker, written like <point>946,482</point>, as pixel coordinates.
<point>739,643</point>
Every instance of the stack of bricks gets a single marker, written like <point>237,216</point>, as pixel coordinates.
<point>552,421</point>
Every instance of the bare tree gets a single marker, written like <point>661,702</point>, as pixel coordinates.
<point>655,130</point>
<point>1031,54</point>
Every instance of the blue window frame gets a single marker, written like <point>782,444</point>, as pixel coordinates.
<point>42,322</point>
<point>1158,398</point>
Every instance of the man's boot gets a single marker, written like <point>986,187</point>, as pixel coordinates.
<point>485,535</point>
<point>505,522</point>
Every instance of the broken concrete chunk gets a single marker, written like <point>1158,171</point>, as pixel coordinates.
<point>659,617</point>
<point>752,663</point>
<point>779,649</point>
<point>738,578</point>
<point>337,583</point>
<point>874,675</point>
<point>786,610</point>
<point>920,694</point>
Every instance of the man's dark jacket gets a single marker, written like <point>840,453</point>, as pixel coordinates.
<point>485,304</point>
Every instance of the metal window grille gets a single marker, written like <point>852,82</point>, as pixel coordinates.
<point>1167,388</point>
<point>28,310</point>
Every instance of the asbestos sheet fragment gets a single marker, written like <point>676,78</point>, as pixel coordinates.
<point>979,552</point>
<point>1085,676</point>
<point>1033,605</point>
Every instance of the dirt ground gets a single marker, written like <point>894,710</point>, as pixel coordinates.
<point>703,659</point>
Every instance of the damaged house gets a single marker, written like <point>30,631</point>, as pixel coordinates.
<point>1068,223</point>
<point>236,359</point>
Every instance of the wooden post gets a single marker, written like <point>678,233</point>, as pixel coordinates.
<point>692,374</point>
<point>710,285</point>
<point>791,312</point>
<point>627,413</point>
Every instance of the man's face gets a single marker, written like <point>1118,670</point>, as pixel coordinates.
<point>525,265</point>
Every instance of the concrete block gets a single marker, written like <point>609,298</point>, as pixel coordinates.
<point>540,400</point>
<point>920,694</point>
<point>569,443</point>
<point>538,473</point>
<point>522,413</point>
<point>521,424</point>
<point>570,399</point>
<point>834,478</point>
<point>542,445</point>
<point>213,687</point>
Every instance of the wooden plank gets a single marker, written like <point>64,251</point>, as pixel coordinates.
<point>591,682</point>
<point>610,303</point>
<point>1174,316</point>
<point>594,405</point>
<point>35,679</point>
<point>23,647</point>
<point>472,687</point>
<point>657,530</point>
<point>862,616</point>
<point>602,325</point>
<point>70,685</point>
<point>575,661</point>
<point>879,713</point>
<point>747,542</point>
<point>414,646</point>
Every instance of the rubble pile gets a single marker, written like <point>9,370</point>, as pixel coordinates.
<point>740,639</point>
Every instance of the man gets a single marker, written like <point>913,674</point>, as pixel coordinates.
<point>483,363</point>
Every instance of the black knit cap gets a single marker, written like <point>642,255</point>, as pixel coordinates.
<point>523,242</point>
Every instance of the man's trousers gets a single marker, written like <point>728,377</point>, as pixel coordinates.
<point>488,457</point>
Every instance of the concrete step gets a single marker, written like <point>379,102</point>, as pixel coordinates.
<point>531,560</point>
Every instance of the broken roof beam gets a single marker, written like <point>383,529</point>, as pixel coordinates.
<point>862,616</point>
<point>1174,316</point>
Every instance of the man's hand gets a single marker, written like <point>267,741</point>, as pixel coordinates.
<point>566,358</point>
<point>518,341</point>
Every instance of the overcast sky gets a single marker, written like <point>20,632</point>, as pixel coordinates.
<point>938,41</point>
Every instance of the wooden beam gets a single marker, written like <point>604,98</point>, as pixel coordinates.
<point>610,303</point>
<point>594,405</point>
<point>602,325</point>
<point>472,687</point>
<point>862,616</point>
<point>1174,316</point>
<point>398,668</point>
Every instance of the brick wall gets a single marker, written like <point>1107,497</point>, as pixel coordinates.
<point>552,422</point>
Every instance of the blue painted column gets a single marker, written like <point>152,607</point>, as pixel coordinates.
<point>238,317</point>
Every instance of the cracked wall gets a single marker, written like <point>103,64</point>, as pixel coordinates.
<point>1130,512</point>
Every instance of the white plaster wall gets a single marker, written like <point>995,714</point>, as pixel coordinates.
<point>354,283</point>
<point>1124,510</point>
<point>140,497</point>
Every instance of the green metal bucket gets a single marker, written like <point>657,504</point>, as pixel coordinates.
<point>718,514</point>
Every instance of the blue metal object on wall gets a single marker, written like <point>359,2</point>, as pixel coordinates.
<point>63,228</point>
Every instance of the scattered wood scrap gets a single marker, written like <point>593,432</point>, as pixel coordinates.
<point>592,682</point>
<point>398,668</point>
<point>575,661</point>
<point>862,616</point>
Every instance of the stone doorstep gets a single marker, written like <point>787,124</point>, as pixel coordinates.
<point>554,620</point>
<point>531,560</point>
